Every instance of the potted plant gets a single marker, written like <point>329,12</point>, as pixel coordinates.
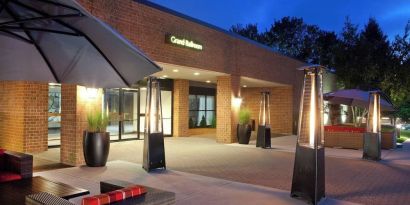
<point>244,128</point>
<point>96,141</point>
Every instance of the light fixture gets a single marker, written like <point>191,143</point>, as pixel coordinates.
<point>208,81</point>
<point>154,154</point>
<point>263,134</point>
<point>196,73</point>
<point>175,70</point>
<point>308,182</point>
<point>245,86</point>
<point>165,76</point>
<point>237,101</point>
<point>92,93</point>
<point>372,136</point>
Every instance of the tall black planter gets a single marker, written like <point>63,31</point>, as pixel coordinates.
<point>243,133</point>
<point>96,147</point>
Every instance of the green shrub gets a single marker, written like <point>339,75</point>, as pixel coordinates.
<point>203,122</point>
<point>191,123</point>
<point>97,122</point>
<point>244,116</point>
<point>213,123</point>
<point>401,140</point>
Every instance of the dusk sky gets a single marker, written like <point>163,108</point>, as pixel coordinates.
<point>330,15</point>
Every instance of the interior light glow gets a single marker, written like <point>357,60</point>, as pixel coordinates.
<point>375,114</point>
<point>175,70</point>
<point>196,73</point>
<point>92,93</point>
<point>237,102</point>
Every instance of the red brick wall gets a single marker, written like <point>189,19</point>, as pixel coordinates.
<point>280,106</point>
<point>146,27</point>
<point>74,109</point>
<point>23,116</point>
<point>181,108</point>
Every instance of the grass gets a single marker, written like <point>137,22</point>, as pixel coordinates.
<point>404,135</point>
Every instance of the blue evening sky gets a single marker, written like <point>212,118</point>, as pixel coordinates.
<point>392,15</point>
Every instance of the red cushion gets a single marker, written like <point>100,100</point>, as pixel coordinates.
<point>345,129</point>
<point>114,196</point>
<point>2,151</point>
<point>9,176</point>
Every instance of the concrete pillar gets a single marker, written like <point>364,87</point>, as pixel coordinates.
<point>227,88</point>
<point>76,103</point>
<point>23,116</point>
<point>181,108</point>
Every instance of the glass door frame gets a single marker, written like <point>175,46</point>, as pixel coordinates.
<point>166,85</point>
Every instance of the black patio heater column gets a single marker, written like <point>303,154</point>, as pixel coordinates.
<point>308,181</point>
<point>263,135</point>
<point>154,152</point>
<point>372,136</point>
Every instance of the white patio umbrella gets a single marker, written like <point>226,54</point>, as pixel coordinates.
<point>59,41</point>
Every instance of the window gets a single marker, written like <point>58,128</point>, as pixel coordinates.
<point>202,110</point>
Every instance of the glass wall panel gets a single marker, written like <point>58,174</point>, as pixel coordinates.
<point>130,114</point>
<point>54,114</point>
<point>112,107</point>
<point>202,111</point>
<point>166,103</point>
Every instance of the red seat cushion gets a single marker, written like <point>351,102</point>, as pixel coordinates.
<point>9,176</point>
<point>114,196</point>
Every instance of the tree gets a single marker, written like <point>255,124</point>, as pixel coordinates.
<point>292,37</point>
<point>249,31</point>
<point>345,56</point>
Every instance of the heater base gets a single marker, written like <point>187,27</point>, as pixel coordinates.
<point>263,138</point>
<point>308,183</point>
<point>372,146</point>
<point>154,152</point>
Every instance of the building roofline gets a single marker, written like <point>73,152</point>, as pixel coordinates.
<point>203,23</point>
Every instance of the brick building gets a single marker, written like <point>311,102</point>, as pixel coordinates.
<point>205,70</point>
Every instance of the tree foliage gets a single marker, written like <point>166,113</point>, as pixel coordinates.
<point>362,58</point>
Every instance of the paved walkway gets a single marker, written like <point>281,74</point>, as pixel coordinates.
<point>347,179</point>
<point>189,188</point>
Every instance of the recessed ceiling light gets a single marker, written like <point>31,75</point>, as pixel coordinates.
<point>196,73</point>
<point>175,70</point>
<point>244,86</point>
<point>208,81</point>
<point>165,76</point>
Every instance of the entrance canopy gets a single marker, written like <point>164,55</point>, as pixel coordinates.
<point>59,41</point>
<point>355,97</point>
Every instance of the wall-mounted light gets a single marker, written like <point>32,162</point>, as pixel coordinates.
<point>372,136</point>
<point>237,101</point>
<point>308,182</point>
<point>91,93</point>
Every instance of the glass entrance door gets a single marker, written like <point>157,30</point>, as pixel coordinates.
<point>129,123</point>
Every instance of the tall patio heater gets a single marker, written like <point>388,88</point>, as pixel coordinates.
<point>154,152</point>
<point>263,136</point>
<point>372,136</point>
<point>308,181</point>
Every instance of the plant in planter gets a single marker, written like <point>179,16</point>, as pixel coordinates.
<point>244,128</point>
<point>96,141</point>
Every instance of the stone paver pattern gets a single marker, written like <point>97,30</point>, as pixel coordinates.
<point>347,179</point>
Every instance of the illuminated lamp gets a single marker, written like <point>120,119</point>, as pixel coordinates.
<point>308,182</point>
<point>154,151</point>
<point>263,135</point>
<point>372,136</point>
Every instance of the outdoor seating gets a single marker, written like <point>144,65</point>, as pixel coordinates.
<point>112,192</point>
<point>352,137</point>
<point>15,166</point>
